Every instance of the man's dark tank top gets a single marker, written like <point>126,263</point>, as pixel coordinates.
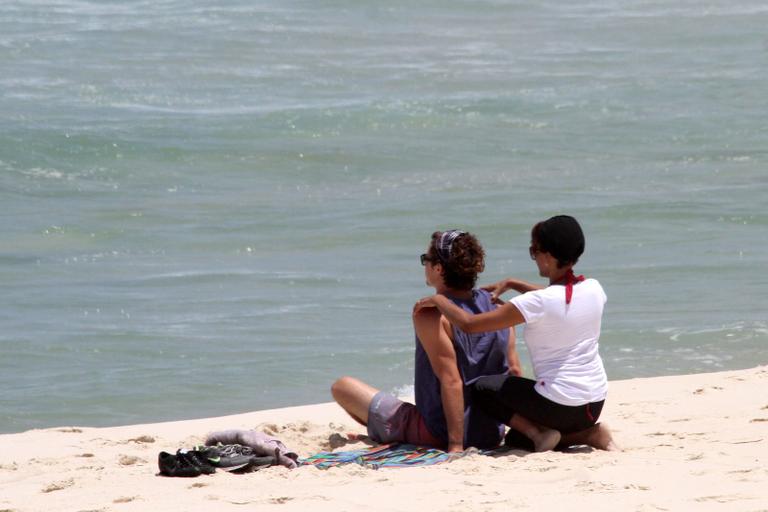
<point>477,355</point>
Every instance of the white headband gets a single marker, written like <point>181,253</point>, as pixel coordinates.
<point>445,243</point>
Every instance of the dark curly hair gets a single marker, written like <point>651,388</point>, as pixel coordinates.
<point>465,262</point>
<point>561,236</point>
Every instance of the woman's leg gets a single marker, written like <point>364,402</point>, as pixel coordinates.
<point>354,396</point>
<point>506,398</point>
<point>544,438</point>
<point>597,436</point>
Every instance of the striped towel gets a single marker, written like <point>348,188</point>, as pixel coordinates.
<point>395,455</point>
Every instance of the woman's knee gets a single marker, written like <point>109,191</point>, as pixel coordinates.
<point>485,392</point>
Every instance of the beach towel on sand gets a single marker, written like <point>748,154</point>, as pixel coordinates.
<point>395,455</point>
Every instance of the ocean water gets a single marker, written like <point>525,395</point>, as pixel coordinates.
<point>210,209</point>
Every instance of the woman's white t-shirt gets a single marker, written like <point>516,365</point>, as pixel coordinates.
<point>563,341</point>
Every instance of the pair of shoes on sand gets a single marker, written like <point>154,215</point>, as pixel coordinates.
<point>204,460</point>
<point>184,463</point>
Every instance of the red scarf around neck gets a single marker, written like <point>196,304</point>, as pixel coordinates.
<point>570,279</point>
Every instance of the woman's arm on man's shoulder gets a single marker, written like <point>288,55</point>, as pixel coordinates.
<point>504,316</point>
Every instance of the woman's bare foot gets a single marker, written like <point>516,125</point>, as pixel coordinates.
<point>598,436</point>
<point>546,440</point>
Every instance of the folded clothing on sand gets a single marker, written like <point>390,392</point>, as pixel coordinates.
<point>261,444</point>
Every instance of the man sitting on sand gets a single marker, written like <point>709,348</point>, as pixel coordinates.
<point>447,362</point>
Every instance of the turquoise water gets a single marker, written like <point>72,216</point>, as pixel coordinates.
<point>215,209</point>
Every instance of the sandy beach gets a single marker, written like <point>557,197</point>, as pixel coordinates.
<point>692,442</point>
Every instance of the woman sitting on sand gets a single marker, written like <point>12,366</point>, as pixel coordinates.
<point>562,327</point>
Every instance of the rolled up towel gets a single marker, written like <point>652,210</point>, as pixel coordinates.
<point>259,442</point>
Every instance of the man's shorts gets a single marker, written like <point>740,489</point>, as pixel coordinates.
<point>392,420</point>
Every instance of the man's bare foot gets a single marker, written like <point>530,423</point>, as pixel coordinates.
<point>546,440</point>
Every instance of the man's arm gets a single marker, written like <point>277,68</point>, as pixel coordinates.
<point>433,332</point>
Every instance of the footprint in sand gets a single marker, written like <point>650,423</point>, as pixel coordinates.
<point>300,426</point>
<point>140,440</point>
<point>631,487</point>
<point>269,428</point>
<point>720,499</point>
<point>657,434</point>
<point>701,391</point>
<point>130,460</point>
<point>336,440</point>
<point>58,486</point>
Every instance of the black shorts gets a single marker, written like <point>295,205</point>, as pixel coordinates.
<point>502,396</point>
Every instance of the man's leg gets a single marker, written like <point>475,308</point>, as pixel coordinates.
<point>354,396</point>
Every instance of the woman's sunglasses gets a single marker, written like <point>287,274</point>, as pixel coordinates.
<point>425,258</point>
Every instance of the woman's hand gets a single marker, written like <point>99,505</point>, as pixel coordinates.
<point>496,290</point>
<point>426,302</point>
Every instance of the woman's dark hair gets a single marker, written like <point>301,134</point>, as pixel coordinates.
<point>465,261</point>
<point>560,236</point>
